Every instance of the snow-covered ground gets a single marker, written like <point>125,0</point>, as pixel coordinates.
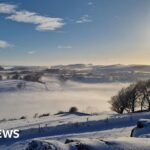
<point>103,131</point>
<point>85,144</point>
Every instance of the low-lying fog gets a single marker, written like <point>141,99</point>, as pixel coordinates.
<point>59,96</point>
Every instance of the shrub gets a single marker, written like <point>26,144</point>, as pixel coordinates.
<point>23,117</point>
<point>73,109</point>
<point>44,115</point>
<point>3,120</point>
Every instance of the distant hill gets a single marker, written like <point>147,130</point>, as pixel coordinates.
<point>115,67</point>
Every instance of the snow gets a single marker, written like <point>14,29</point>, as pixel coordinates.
<point>142,129</point>
<point>92,130</point>
<point>85,144</point>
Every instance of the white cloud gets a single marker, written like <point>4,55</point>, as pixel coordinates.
<point>7,8</point>
<point>42,23</point>
<point>31,52</point>
<point>4,44</point>
<point>64,47</point>
<point>84,19</point>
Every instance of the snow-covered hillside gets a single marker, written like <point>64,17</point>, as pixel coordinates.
<point>103,131</point>
<point>13,86</point>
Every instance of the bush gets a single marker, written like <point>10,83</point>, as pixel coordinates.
<point>23,117</point>
<point>3,120</point>
<point>73,109</point>
<point>44,115</point>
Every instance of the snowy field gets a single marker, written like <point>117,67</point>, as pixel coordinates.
<point>103,131</point>
<point>54,96</point>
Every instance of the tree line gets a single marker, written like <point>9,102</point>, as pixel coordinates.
<point>135,97</point>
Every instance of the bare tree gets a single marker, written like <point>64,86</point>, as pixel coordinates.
<point>144,93</point>
<point>131,98</point>
<point>122,101</point>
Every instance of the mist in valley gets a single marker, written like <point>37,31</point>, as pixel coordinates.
<point>58,96</point>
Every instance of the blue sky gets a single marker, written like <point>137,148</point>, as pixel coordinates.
<point>52,32</point>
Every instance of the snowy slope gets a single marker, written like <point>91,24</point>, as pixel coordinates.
<point>99,128</point>
<point>11,86</point>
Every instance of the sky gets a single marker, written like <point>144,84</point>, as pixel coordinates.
<point>51,32</point>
